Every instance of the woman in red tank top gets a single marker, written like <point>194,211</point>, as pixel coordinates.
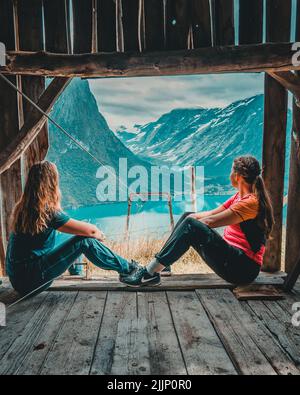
<point>238,255</point>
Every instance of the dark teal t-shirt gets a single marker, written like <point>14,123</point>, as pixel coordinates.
<point>24,248</point>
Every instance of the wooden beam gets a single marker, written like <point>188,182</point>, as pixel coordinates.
<point>223,22</point>
<point>289,81</point>
<point>275,121</point>
<point>31,38</point>
<point>201,23</point>
<point>239,59</point>
<point>251,22</point>
<point>33,124</point>
<point>10,181</point>
<point>293,208</point>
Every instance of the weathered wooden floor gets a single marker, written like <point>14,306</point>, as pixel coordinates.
<point>167,332</point>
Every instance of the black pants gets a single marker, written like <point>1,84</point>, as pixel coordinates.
<point>230,263</point>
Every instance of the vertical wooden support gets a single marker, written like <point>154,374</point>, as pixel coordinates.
<point>154,15</point>
<point>223,22</point>
<point>106,26</point>
<point>83,26</point>
<point>275,121</point>
<point>10,181</point>
<point>293,210</point>
<point>251,22</point>
<point>178,23</point>
<point>201,23</point>
<point>30,29</point>
<point>130,25</point>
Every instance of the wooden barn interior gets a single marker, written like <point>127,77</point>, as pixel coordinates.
<point>196,316</point>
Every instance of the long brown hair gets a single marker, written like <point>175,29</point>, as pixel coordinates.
<point>40,199</point>
<point>249,168</point>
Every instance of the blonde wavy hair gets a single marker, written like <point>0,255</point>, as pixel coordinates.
<point>40,199</point>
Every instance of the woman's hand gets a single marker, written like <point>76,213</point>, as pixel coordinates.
<point>197,216</point>
<point>80,228</point>
<point>99,235</point>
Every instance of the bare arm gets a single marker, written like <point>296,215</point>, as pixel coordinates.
<point>80,228</point>
<point>210,213</point>
<point>224,218</point>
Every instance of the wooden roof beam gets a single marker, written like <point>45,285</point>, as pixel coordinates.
<point>246,58</point>
<point>290,81</point>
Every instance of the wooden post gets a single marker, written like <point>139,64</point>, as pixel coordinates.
<point>275,120</point>
<point>293,209</point>
<point>10,181</point>
<point>193,189</point>
<point>30,38</point>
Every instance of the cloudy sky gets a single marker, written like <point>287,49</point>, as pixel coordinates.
<point>140,100</point>
<point>130,101</point>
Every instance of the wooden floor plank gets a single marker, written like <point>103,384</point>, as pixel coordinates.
<point>279,323</point>
<point>131,356</point>
<point>203,351</point>
<point>35,358</point>
<point>176,282</point>
<point>279,359</point>
<point>162,341</point>
<point>118,306</point>
<point>73,350</point>
<point>16,354</point>
<point>18,317</point>
<point>236,332</point>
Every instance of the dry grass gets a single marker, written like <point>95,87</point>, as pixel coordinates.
<point>144,249</point>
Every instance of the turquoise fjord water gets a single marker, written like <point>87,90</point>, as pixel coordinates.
<point>147,220</point>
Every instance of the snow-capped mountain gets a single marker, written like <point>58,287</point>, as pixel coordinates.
<point>77,111</point>
<point>208,137</point>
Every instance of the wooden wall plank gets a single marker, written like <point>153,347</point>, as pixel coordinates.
<point>154,25</point>
<point>106,26</point>
<point>83,25</point>
<point>223,22</point>
<point>275,121</point>
<point>201,23</point>
<point>57,34</point>
<point>31,38</point>
<point>10,181</point>
<point>130,23</point>
<point>251,21</point>
<point>293,209</point>
<point>178,22</point>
